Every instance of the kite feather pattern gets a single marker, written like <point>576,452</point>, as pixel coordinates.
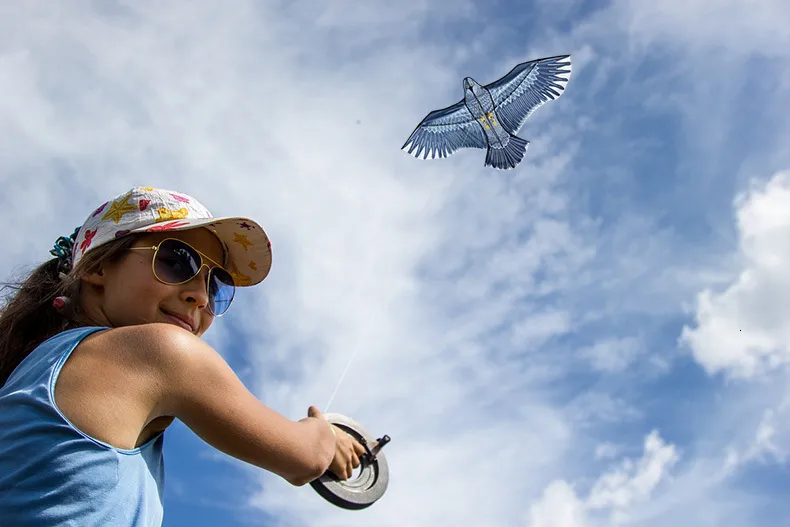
<point>489,117</point>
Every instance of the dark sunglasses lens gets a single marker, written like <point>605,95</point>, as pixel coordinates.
<point>176,262</point>
<point>221,291</point>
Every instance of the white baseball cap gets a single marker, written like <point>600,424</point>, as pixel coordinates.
<point>147,209</point>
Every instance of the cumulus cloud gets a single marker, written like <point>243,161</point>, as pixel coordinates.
<point>743,329</point>
<point>613,497</point>
<point>559,506</point>
<point>633,482</point>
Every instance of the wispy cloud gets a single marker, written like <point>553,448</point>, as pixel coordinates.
<point>612,355</point>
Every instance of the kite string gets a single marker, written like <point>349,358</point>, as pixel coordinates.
<point>348,364</point>
<point>371,314</point>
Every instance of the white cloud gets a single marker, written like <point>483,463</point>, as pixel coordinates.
<point>558,507</point>
<point>743,330</point>
<point>613,497</point>
<point>765,439</point>
<point>595,407</point>
<point>741,27</point>
<point>767,443</point>
<point>633,483</point>
<point>612,355</point>
<point>606,450</point>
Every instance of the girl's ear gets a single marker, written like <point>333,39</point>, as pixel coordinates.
<point>95,277</point>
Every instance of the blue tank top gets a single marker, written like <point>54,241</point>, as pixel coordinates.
<point>53,474</point>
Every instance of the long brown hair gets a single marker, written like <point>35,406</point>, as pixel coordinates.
<point>27,316</point>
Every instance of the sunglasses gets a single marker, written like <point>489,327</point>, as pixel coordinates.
<point>176,262</point>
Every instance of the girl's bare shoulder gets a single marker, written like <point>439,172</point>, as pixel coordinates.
<point>154,345</point>
<point>112,385</point>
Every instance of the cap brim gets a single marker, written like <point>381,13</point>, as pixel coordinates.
<point>246,244</point>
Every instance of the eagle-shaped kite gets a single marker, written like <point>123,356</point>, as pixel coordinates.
<point>490,116</point>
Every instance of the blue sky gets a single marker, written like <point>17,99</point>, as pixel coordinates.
<point>597,338</point>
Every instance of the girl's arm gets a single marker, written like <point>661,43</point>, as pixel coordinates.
<point>192,382</point>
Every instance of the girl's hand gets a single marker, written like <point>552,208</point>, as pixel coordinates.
<point>347,449</point>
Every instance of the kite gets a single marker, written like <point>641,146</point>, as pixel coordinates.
<point>489,116</point>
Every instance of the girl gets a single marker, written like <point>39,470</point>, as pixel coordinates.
<point>100,350</point>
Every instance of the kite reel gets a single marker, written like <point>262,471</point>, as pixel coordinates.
<point>364,490</point>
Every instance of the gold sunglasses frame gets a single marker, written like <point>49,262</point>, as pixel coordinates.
<point>203,264</point>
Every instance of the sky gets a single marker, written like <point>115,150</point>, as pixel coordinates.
<point>596,338</point>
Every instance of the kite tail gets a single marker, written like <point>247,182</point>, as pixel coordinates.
<point>509,156</point>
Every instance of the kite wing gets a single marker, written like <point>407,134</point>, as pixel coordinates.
<point>527,87</point>
<point>444,131</point>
